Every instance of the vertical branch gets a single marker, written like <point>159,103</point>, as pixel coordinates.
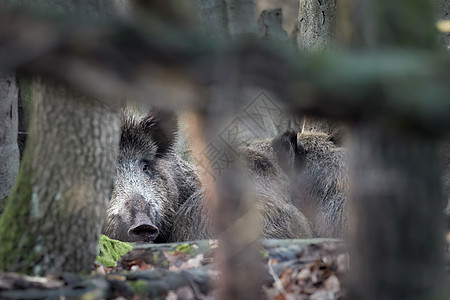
<point>398,246</point>
<point>237,225</point>
<point>232,213</point>
<point>396,183</point>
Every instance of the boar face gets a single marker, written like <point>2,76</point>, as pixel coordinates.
<point>145,194</point>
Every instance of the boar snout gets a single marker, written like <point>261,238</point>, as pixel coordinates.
<point>143,232</point>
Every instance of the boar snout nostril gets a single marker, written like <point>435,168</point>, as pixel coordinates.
<point>143,233</point>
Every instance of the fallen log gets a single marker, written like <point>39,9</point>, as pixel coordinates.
<point>188,271</point>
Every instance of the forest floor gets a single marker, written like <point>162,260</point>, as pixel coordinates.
<point>294,269</point>
<point>314,269</point>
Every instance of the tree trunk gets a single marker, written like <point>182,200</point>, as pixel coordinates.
<point>53,217</point>
<point>317,24</point>
<point>55,214</point>
<point>398,234</point>
<point>9,150</point>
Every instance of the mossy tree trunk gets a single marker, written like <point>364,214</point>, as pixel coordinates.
<point>55,214</point>
<point>9,150</point>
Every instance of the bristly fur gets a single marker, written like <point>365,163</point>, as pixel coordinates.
<point>151,179</point>
<point>162,125</point>
<point>319,178</point>
<point>157,132</point>
<point>271,192</point>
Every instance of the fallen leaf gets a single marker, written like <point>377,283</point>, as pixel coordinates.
<point>286,278</point>
<point>332,284</point>
<point>171,296</point>
<point>304,275</point>
<point>116,277</point>
<point>192,263</point>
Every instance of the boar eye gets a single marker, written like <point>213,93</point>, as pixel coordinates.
<point>147,168</point>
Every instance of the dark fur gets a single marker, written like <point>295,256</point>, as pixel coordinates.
<point>272,196</point>
<point>319,173</point>
<point>172,198</point>
<point>155,196</point>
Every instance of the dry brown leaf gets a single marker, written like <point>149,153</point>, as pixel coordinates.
<point>280,297</point>
<point>192,263</point>
<point>286,278</point>
<point>273,261</point>
<point>116,277</point>
<point>145,266</point>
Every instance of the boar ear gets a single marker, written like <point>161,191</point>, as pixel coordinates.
<point>338,136</point>
<point>287,151</point>
<point>162,127</point>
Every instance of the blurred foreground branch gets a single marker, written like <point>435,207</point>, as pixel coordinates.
<point>124,58</point>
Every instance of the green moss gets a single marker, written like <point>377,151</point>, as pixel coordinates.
<point>16,244</point>
<point>165,264</point>
<point>138,287</point>
<point>2,205</point>
<point>110,251</point>
<point>155,256</point>
<point>185,248</point>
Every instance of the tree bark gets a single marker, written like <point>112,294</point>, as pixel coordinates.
<point>9,150</point>
<point>55,214</point>
<point>317,24</point>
